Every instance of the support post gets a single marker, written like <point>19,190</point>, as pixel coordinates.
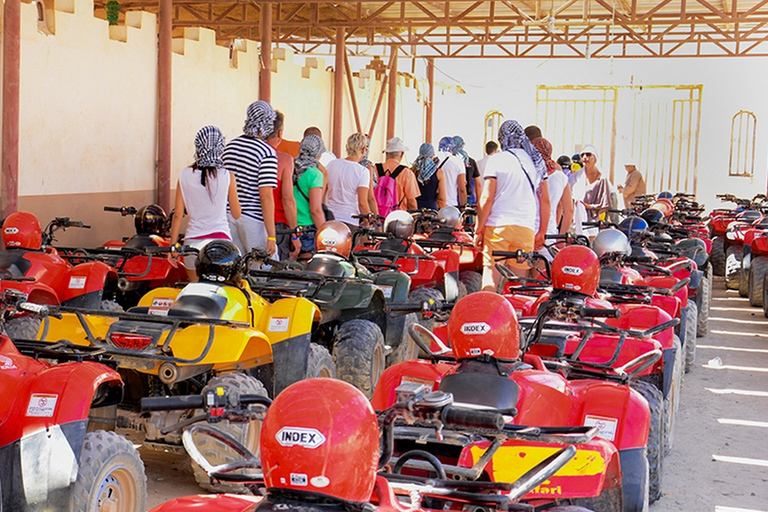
<point>380,98</point>
<point>338,90</point>
<point>164,88</point>
<point>9,193</point>
<point>265,73</point>
<point>430,98</point>
<point>352,95</point>
<point>392,99</point>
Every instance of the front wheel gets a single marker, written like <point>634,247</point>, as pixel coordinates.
<point>320,364</point>
<point>407,349</point>
<point>703,298</point>
<point>689,336</point>
<point>110,475</point>
<point>655,435</point>
<point>358,350</point>
<point>717,256</point>
<point>23,327</point>
<point>732,267</point>
<point>757,273</point>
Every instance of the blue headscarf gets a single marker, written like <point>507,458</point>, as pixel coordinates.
<point>512,136</point>
<point>446,144</point>
<point>425,163</point>
<point>458,144</point>
<point>209,146</point>
<point>260,119</point>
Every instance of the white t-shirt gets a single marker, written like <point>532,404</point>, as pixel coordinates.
<point>344,178</point>
<point>556,183</point>
<point>481,165</point>
<point>514,204</point>
<point>206,206</point>
<point>326,157</point>
<point>453,168</point>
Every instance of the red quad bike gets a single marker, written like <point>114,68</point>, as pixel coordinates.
<point>320,450</point>
<point>51,454</point>
<point>31,265</point>
<point>720,219</point>
<point>446,230</point>
<point>484,369</point>
<point>433,276</point>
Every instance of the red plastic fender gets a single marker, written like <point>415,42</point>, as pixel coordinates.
<point>40,395</point>
<point>37,292</point>
<point>415,370</point>
<point>448,259</point>
<point>669,304</point>
<point>760,245</point>
<point>217,502</point>
<point>620,412</point>
<point>644,316</point>
<point>601,348</point>
<point>543,399</point>
<point>87,277</point>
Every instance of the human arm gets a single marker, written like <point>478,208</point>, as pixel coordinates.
<point>632,181</point>
<point>316,206</point>
<point>178,214</point>
<point>268,214</point>
<point>544,211</point>
<point>461,183</point>
<point>234,201</point>
<point>374,207</point>
<point>410,189</point>
<point>442,193</point>
<point>325,178</point>
<point>484,208</point>
<point>478,188</point>
<point>287,197</point>
<point>566,205</point>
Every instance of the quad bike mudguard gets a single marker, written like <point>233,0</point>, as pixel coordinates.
<point>85,284</point>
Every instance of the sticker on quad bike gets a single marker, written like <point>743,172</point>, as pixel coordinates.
<point>605,426</point>
<point>475,328</point>
<point>387,290</point>
<point>306,437</point>
<point>77,282</point>
<point>299,479</point>
<point>42,405</point>
<point>415,380</point>
<point>6,363</point>
<point>279,324</point>
<point>160,306</point>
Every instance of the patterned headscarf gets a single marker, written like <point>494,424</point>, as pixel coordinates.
<point>260,119</point>
<point>446,144</point>
<point>458,144</point>
<point>209,146</point>
<point>512,136</point>
<point>425,164</point>
<point>545,150</point>
<point>310,149</point>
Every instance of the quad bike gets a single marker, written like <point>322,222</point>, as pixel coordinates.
<point>185,341</point>
<point>483,367</point>
<point>720,220</point>
<point>321,447</point>
<point>31,265</point>
<point>355,325</point>
<point>54,452</point>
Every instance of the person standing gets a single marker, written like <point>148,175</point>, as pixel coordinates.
<point>254,164</point>
<point>633,186</point>
<point>491,148</point>
<point>430,178</point>
<point>560,199</point>
<point>407,188</point>
<point>348,182</point>
<point>514,189</point>
<point>285,205</point>
<point>597,192</point>
<point>308,190</point>
<point>455,177</point>
<point>472,177</point>
<point>203,190</point>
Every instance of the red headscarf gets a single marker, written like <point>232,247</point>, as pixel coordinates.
<point>545,150</point>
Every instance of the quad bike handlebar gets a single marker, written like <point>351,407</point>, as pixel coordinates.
<point>60,223</point>
<point>122,210</point>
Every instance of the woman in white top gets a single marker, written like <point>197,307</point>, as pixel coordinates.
<point>203,190</point>
<point>348,182</point>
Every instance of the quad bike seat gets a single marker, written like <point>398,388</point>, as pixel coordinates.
<point>397,245</point>
<point>482,389</point>
<point>443,235</point>
<point>141,241</point>
<point>197,300</point>
<point>13,263</point>
<point>330,264</point>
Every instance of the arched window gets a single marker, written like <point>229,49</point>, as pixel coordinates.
<point>493,120</point>
<point>743,129</point>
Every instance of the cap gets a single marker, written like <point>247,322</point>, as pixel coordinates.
<point>589,148</point>
<point>395,145</point>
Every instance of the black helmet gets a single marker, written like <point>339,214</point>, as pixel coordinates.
<point>564,161</point>
<point>219,262</point>
<point>150,220</point>
<point>652,216</point>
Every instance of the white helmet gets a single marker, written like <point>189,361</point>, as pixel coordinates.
<point>399,223</point>
<point>611,242</point>
<point>449,216</point>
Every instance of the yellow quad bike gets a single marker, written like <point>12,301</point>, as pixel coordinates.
<point>189,340</point>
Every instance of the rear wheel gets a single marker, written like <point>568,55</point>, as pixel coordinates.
<point>247,434</point>
<point>717,256</point>
<point>110,305</point>
<point>472,280</point>
<point>702,303</point>
<point>732,267</point>
<point>358,350</point>
<point>407,349</point>
<point>320,364</point>
<point>23,328</point>
<point>672,401</point>
<point>110,475</point>
<point>765,296</point>
<point>422,294</point>
<point>757,272</point>
<point>655,435</point>
<point>689,336</point>
<point>743,280</point>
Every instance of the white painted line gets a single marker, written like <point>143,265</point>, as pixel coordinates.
<point>734,333</point>
<point>734,367</point>
<point>743,423</point>
<point>735,349</point>
<point>747,310</point>
<point>719,508</point>
<point>740,321</point>
<point>741,460</point>
<point>741,392</point>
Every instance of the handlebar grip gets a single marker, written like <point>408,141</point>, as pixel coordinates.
<point>113,209</point>
<point>599,313</point>
<point>172,403</point>
<point>31,307</point>
<point>456,417</point>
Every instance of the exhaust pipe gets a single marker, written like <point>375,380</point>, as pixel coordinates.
<point>125,285</point>
<point>170,373</point>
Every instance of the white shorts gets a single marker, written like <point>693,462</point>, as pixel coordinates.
<point>191,259</point>
<point>247,233</point>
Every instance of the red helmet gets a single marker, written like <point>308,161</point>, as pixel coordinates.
<point>334,236</point>
<point>321,436</point>
<point>576,268</point>
<point>665,206</point>
<point>22,230</point>
<point>484,323</point>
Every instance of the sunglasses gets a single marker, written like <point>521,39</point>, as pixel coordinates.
<point>583,155</point>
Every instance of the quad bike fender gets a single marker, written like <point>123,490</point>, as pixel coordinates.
<point>641,317</point>
<point>620,413</point>
<point>415,370</point>
<point>152,297</point>
<point>582,477</point>
<point>37,292</point>
<point>634,479</point>
<point>670,305</point>
<point>601,349</point>
<point>448,259</point>
<point>668,282</point>
<point>68,327</point>
<point>760,245</point>
<point>232,348</point>
<point>424,273</point>
<point>287,318</point>
<point>395,285</point>
<point>221,502</point>
<point>87,279</point>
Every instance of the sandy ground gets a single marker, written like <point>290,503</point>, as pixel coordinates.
<point>719,461</point>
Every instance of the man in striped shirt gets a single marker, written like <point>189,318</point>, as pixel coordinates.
<point>254,164</point>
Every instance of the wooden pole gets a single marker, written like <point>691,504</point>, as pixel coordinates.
<point>430,98</point>
<point>265,73</point>
<point>381,96</point>
<point>352,95</point>
<point>392,99</point>
<point>9,193</point>
<point>338,90</point>
<point>164,89</point>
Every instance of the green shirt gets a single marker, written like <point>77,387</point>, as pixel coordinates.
<point>311,178</point>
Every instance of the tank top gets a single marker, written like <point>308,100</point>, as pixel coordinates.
<point>428,197</point>
<point>206,206</point>
<point>277,193</point>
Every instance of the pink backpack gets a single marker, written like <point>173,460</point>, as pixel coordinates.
<point>386,190</point>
